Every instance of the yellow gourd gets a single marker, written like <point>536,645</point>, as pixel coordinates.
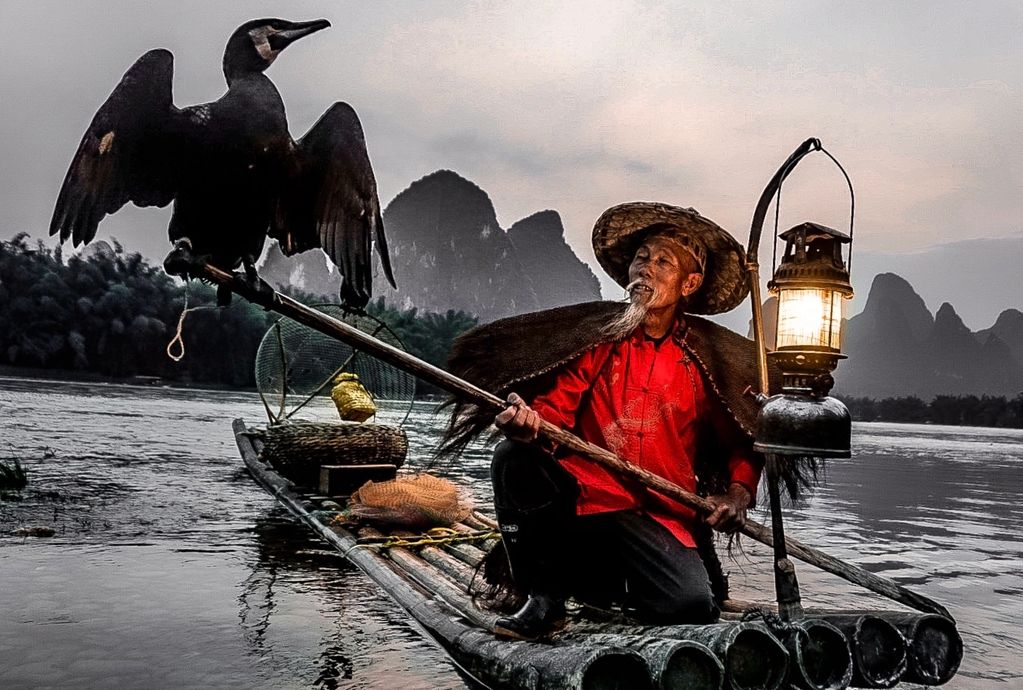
<point>353,401</point>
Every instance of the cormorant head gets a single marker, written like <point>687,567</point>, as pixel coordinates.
<point>256,44</point>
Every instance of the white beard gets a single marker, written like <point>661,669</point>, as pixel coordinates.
<point>639,304</point>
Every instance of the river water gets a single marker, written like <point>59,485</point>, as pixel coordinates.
<point>170,567</point>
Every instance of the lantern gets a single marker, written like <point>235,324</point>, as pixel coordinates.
<point>812,286</point>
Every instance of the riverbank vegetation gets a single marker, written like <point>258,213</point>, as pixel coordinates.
<point>962,410</point>
<point>109,312</point>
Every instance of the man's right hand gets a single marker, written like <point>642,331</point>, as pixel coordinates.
<point>518,421</point>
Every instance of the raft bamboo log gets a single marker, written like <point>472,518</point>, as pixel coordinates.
<point>878,649</point>
<point>674,664</point>
<point>431,579</point>
<point>819,655</point>
<point>478,520</point>
<point>494,661</point>
<point>465,553</point>
<point>934,646</point>
<point>753,658</point>
<point>447,564</point>
<point>442,379</point>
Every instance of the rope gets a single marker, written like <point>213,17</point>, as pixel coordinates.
<point>434,537</point>
<point>179,335</point>
<point>773,621</point>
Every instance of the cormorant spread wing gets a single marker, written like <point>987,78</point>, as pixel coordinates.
<point>129,153</point>
<point>331,202</point>
<point>231,168</point>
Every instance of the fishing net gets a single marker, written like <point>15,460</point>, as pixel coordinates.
<point>297,368</point>
<point>420,500</point>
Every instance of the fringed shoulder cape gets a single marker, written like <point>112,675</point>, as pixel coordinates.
<point>522,354</point>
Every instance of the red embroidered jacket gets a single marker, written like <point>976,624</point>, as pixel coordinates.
<point>646,402</point>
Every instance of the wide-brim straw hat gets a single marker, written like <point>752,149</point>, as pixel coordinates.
<point>621,229</point>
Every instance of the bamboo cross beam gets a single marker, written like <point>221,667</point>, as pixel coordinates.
<point>447,381</point>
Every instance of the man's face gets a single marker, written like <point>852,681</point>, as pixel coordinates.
<point>661,273</point>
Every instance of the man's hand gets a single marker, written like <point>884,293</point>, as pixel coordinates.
<point>518,421</point>
<point>730,509</point>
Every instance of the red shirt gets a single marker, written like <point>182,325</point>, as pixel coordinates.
<point>645,401</point>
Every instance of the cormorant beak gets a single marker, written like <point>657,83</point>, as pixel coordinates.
<point>282,39</point>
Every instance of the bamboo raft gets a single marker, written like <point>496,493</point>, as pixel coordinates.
<point>828,650</point>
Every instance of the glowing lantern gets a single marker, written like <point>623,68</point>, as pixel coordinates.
<point>812,284</point>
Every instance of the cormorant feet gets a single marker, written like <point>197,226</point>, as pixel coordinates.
<point>257,284</point>
<point>249,280</point>
<point>182,262</point>
<point>541,615</point>
<point>180,259</point>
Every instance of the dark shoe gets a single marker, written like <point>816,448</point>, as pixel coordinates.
<point>541,615</point>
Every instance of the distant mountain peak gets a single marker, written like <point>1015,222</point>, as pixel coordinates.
<point>448,185</point>
<point>449,252</point>
<point>893,299</point>
<point>891,285</point>
<point>443,175</point>
<point>542,226</point>
<point>945,310</point>
<point>558,276</point>
<point>947,318</point>
<point>896,347</point>
<point>1010,318</point>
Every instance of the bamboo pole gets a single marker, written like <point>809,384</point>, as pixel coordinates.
<point>330,326</point>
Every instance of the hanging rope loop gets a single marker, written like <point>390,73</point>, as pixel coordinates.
<point>178,341</point>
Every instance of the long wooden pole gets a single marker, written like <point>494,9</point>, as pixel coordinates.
<point>330,326</point>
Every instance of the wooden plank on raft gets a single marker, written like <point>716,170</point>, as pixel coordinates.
<point>342,480</point>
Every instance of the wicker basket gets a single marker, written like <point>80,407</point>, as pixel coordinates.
<point>297,450</point>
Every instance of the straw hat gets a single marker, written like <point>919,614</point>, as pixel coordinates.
<point>621,229</point>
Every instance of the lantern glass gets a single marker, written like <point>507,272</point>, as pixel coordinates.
<point>810,317</point>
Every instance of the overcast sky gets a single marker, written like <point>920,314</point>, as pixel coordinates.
<point>577,106</point>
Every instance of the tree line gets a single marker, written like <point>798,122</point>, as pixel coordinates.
<point>962,410</point>
<point>112,313</point>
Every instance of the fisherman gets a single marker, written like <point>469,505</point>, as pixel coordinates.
<point>658,386</point>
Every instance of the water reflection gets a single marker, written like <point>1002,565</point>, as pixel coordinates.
<point>170,567</point>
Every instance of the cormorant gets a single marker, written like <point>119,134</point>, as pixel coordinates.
<point>231,168</point>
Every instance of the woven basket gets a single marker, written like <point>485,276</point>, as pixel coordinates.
<point>297,450</point>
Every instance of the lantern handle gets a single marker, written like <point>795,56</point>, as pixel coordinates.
<point>776,194</point>
<point>752,265</point>
<point>852,208</point>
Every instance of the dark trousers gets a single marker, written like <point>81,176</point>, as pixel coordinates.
<point>624,557</point>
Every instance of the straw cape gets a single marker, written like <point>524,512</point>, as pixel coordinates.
<point>620,230</point>
<point>522,354</point>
